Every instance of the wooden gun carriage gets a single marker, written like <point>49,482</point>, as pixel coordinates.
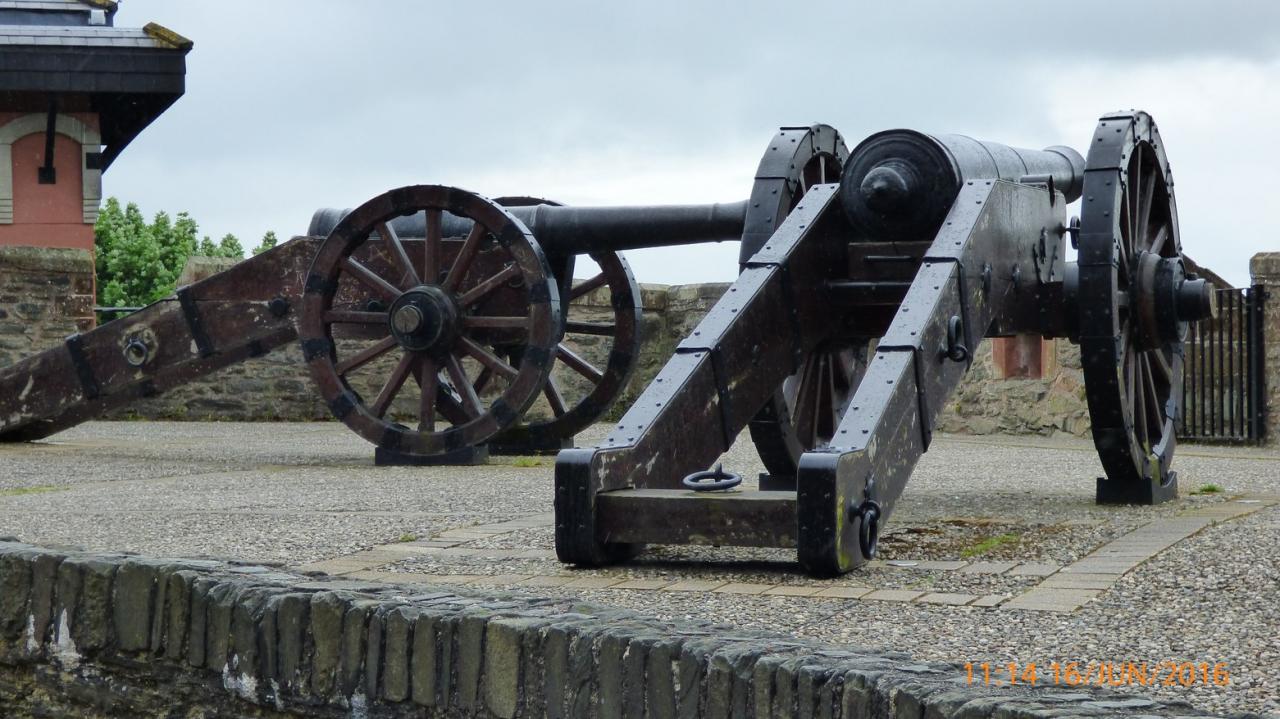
<point>868,278</point>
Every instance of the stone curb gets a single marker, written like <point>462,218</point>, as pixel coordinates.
<point>129,636</point>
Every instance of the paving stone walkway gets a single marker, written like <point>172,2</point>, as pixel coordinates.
<point>1062,588</point>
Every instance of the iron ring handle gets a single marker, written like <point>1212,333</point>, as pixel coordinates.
<point>869,527</point>
<point>712,480</point>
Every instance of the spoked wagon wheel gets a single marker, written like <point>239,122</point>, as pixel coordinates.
<point>805,410</point>
<point>1133,299</point>
<point>575,407</point>
<point>446,312</point>
<point>592,389</point>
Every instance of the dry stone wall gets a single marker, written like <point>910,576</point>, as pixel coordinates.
<point>109,635</point>
<point>45,295</point>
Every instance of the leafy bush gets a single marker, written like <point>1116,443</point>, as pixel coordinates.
<point>139,262</point>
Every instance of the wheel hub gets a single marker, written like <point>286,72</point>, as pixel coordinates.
<point>423,318</point>
<point>1167,298</point>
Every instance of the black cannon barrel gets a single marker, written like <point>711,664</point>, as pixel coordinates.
<point>580,230</point>
<point>900,184</point>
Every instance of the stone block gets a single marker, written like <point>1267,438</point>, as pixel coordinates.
<point>947,598</point>
<point>326,614</point>
<point>217,631</point>
<point>634,661</point>
<point>292,618</point>
<point>660,686</point>
<point>15,588</point>
<point>44,576</point>
<point>893,595</point>
<point>555,675</point>
<point>844,592</point>
<point>502,664</point>
<point>355,634</point>
<point>469,660</point>
<point>609,675</point>
<point>246,662</point>
<point>198,628</point>
<point>373,651</point>
<point>1050,599</point>
<point>424,665</point>
<point>397,637</point>
<point>91,628</point>
<point>177,613</point>
<point>133,603</point>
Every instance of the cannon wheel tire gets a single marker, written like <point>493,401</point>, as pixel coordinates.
<point>1133,385</point>
<point>438,320</point>
<point>805,410</point>
<point>572,415</point>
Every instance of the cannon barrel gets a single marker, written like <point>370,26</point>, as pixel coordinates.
<point>581,230</point>
<point>896,185</point>
<point>900,184</point>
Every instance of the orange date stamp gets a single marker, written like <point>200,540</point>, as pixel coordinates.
<point>1112,674</point>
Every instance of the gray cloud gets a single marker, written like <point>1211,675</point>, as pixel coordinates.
<point>293,105</point>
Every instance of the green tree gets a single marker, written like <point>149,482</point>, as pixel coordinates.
<point>230,247</point>
<point>138,262</point>
<point>268,241</point>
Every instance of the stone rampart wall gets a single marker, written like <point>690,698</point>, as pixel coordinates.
<point>47,294</point>
<point>108,635</point>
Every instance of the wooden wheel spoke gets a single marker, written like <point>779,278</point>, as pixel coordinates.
<point>602,329</point>
<point>431,248</point>
<point>458,377</point>
<point>370,279</point>
<point>355,317</point>
<point>1145,208</point>
<point>398,253</point>
<point>806,399</point>
<point>1155,413</point>
<point>487,358</point>
<point>470,247</point>
<point>578,364</point>
<point>1160,365</point>
<point>366,355</point>
<point>495,322</point>
<point>588,286</point>
<point>482,381</point>
<point>480,291</point>
<point>393,384</point>
<point>1138,401</point>
<point>554,398</point>
<point>428,375</point>
<point>1161,236</point>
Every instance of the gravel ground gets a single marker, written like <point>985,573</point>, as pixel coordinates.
<point>296,493</point>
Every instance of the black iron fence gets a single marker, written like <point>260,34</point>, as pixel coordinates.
<point>1223,379</point>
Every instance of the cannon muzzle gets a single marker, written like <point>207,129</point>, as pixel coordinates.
<point>900,184</point>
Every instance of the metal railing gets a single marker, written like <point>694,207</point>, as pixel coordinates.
<point>1223,378</point>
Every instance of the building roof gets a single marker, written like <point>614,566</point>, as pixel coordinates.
<point>86,36</point>
<point>67,54</point>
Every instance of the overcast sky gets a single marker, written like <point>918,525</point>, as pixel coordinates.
<point>293,105</point>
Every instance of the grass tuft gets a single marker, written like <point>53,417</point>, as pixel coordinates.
<point>39,489</point>
<point>1209,489</point>
<point>990,544</point>
<point>526,462</point>
<point>407,537</point>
